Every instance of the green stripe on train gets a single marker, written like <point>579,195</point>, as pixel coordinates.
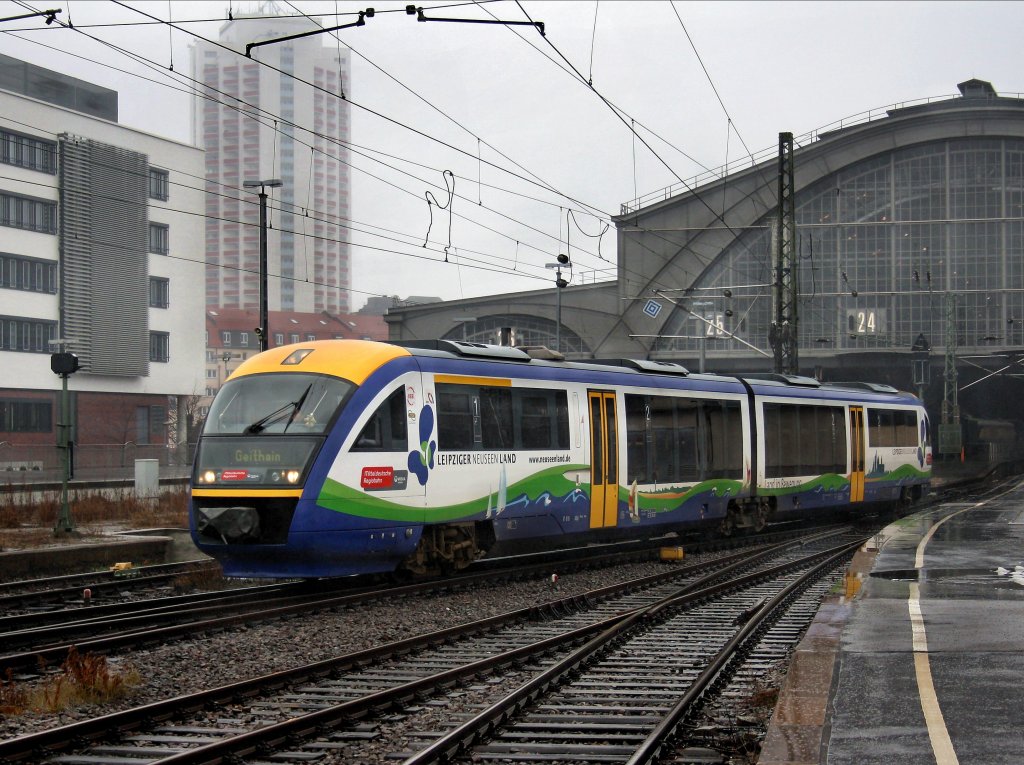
<point>341,498</point>
<point>835,482</point>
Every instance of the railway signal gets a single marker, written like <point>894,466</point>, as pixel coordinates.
<point>64,364</point>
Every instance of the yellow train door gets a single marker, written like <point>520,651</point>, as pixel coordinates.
<point>856,454</point>
<point>604,468</point>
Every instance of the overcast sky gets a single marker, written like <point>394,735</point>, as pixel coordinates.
<point>528,140</point>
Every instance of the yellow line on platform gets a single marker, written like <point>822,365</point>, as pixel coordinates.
<point>942,746</point>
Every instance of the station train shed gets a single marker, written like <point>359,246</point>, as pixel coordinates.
<point>910,252</point>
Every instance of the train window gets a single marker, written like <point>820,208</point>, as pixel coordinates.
<point>803,439</point>
<point>781,428</point>
<point>723,442</point>
<point>830,427</point>
<point>881,427</point>
<point>892,427</point>
<point>670,439</point>
<point>266,404</point>
<point>674,436</point>
<point>613,441</point>
<point>561,420</point>
<point>457,421</point>
<point>471,417</point>
<point>906,427</point>
<point>637,439</point>
<point>386,431</point>
<point>541,418</point>
<point>496,419</point>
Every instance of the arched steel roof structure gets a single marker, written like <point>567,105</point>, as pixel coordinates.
<point>897,219</point>
<point>904,208</point>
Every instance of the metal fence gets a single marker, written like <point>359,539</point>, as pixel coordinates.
<point>36,463</point>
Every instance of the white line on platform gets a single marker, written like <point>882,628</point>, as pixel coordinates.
<point>942,746</point>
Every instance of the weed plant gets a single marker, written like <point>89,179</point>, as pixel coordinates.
<point>83,679</point>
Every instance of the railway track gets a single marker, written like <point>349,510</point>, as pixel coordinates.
<point>624,696</point>
<point>334,707</point>
<point>44,638</point>
<point>59,592</point>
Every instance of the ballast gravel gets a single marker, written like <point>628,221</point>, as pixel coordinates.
<point>208,661</point>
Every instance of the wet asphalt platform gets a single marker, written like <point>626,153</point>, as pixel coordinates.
<point>926,663</point>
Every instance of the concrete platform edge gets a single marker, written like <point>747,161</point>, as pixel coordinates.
<point>798,731</point>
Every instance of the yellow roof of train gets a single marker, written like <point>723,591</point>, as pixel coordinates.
<point>354,360</point>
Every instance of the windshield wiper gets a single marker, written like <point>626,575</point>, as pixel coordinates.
<point>288,410</point>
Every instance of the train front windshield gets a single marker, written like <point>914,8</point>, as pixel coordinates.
<point>264,430</point>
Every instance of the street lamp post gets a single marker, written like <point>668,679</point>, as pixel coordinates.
<point>262,330</point>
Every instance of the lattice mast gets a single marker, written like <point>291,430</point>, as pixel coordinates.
<point>950,437</point>
<point>783,335</point>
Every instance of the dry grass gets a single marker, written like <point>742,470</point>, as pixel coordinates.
<point>27,520</point>
<point>83,679</point>
<point>204,579</point>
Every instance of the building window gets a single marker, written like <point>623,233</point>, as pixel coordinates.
<point>159,184</point>
<point>159,292</point>
<point>29,274</point>
<point>310,338</point>
<point>25,416</point>
<point>26,335</point>
<point>294,337</point>
<point>225,338</point>
<point>31,214</point>
<point>243,339</point>
<point>25,151</point>
<point>279,338</point>
<point>159,346</point>
<point>159,238</point>
<point>142,425</point>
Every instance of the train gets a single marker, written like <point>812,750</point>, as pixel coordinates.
<point>343,457</point>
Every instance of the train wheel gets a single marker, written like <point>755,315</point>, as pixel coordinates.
<point>729,522</point>
<point>759,515</point>
<point>444,550</point>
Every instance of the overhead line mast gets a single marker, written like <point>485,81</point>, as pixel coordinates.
<point>783,335</point>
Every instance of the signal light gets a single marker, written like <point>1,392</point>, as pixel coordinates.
<point>64,363</point>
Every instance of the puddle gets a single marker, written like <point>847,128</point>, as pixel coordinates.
<point>935,574</point>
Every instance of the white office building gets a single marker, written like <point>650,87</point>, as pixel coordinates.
<point>101,243</point>
<point>276,115</point>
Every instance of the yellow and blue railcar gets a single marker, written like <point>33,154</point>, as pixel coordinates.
<point>340,457</point>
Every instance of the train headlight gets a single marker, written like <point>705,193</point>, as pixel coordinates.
<point>292,476</point>
<point>209,476</point>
